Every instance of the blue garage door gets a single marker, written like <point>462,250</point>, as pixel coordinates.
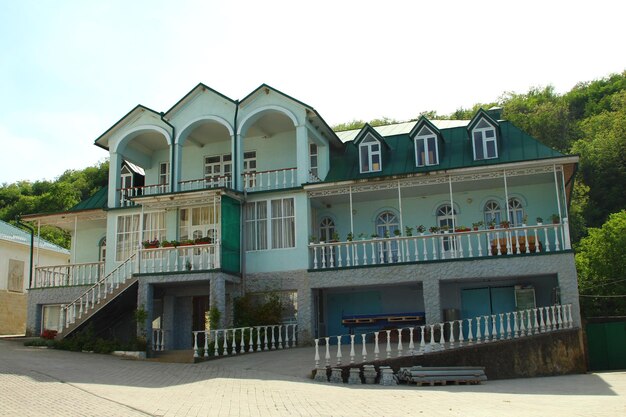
<point>343,304</point>
<point>485,302</point>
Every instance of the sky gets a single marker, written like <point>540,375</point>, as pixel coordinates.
<point>70,69</point>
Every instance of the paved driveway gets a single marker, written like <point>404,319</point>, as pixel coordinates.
<point>41,382</point>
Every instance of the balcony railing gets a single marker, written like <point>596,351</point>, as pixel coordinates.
<point>181,258</point>
<point>453,334</point>
<point>441,246</point>
<point>126,194</point>
<point>206,183</point>
<point>68,275</point>
<point>270,180</point>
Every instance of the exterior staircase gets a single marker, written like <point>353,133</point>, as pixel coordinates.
<point>79,311</point>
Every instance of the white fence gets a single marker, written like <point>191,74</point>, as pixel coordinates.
<point>222,342</point>
<point>442,336</point>
<point>438,246</point>
<point>270,180</point>
<point>181,258</point>
<point>67,275</point>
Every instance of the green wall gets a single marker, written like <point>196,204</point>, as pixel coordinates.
<point>231,235</point>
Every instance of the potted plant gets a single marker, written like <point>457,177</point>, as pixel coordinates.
<point>375,236</point>
<point>334,238</point>
<point>524,220</point>
<point>350,237</point>
<point>491,224</point>
<point>187,242</point>
<point>167,244</point>
<point>421,229</point>
<point>362,236</point>
<point>408,231</point>
<point>445,228</point>
<point>476,225</point>
<point>387,235</point>
<point>397,232</point>
<point>203,240</point>
<point>505,224</point>
<point>312,239</point>
<point>556,219</point>
<point>433,229</point>
<point>539,221</point>
<point>150,244</point>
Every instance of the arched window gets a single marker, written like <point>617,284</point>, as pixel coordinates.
<point>492,212</point>
<point>102,249</point>
<point>386,224</point>
<point>516,212</point>
<point>327,229</point>
<point>446,216</point>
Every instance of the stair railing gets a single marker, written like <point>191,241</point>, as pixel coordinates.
<point>97,293</point>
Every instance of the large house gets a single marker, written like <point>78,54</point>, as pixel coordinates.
<point>425,220</point>
<point>17,259</point>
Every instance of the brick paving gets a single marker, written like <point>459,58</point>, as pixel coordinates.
<point>41,382</point>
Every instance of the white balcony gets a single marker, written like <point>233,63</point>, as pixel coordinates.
<point>68,275</point>
<point>440,246</point>
<point>184,258</point>
<point>206,183</point>
<point>127,194</point>
<point>270,180</point>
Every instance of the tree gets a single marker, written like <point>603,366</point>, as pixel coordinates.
<point>601,263</point>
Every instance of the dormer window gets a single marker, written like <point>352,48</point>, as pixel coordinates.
<point>484,141</point>
<point>126,178</point>
<point>426,148</point>
<point>369,154</point>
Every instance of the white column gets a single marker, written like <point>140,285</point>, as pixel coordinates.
<point>238,161</point>
<point>74,240</point>
<point>400,207</point>
<point>451,203</point>
<point>564,193</point>
<point>351,215</point>
<point>176,165</point>
<point>506,197</point>
<point>302,154</point>
<point>556,186</point>
<point>115,164</point>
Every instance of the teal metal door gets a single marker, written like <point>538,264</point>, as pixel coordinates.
<point>481,302</point>
<point>606,343</point>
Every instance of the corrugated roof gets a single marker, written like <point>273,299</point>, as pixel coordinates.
<point>135,168</point>
<point>455,152</point>
<point>97,201</point>
<point>400,128</point>
<point>11,233</point>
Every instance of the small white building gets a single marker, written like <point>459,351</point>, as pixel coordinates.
<point>14,273</point>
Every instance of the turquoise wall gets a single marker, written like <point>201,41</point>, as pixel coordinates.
<point>193,157</point>
<point>86,242</point>
<point>278,151</point>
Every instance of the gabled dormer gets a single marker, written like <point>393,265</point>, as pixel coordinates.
<point>427,142</point>
<point>372,148</point>
<point>484,132</point>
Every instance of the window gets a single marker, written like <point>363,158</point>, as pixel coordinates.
<point>16,276</point>
<point>327,228</point>
<point>127,233</point>
<point>386,224</point>
<point>218,169</point>
<point>516,212</point>
<point>164,174</point>
<point>126,178</point>
<point>313,161</point>
<point>102,249</point>
<point>249,168</point>
<point>50,317</point>
<point>446,218</point>
<point>283,223</point>
<point>426,148</point>
<point>492,212</point>
<point>256,225</point>
<point>280,231</point>
<point>484,137</point>
<point>197,222</point>
<point>369,154</point>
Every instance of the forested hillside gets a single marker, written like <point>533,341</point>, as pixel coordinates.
<point>589,120</point>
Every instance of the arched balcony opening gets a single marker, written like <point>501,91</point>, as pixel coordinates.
<point>204,155</point>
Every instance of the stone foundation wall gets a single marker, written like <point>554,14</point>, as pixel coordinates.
<point>40,296</point>
<point>12,312</point>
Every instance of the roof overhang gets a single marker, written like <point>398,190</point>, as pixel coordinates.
<point>66,219</point>
<point>185,198</point>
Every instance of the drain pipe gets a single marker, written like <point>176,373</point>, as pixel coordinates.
<point>32,244</point>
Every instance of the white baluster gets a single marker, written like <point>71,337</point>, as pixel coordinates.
<point>273,339</point>
<point>411,345</point>
<point>388,350</point>
<point>470,336</point>
<point>293,335</point>
<point>431,344</point>
<point>265,341</point>
<point>363,349</point>
<point>352,349</point>
<point>251,346</point>
<point>502,331</point>
<point>451,337</point>
<point>225,346</point>
<point>558,316</point>
<point>557,245</point>
<point>535,322</point>
<point>400,342</point>
<point>422,342</point>
<point>480,248</point>
<point>280,337</point>
<point>478,333</point>
<point>234,343</point>
<point>487,335</point>
<point>317,353</point>
<point>376,350</point>
<point>461,337</point>
<point>216,349</point>
<point>433,240</point>
<point>195,342</point>
<point>327,355</point>
<point>207,336</point>
<point>242,343</point>
<point>338,350</point>
<point>548,321</point>
<point>259,346</point>
<point>515,325</point>
<point>494,329</point>
<point>441,339</point>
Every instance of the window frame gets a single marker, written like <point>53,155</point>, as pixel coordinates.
<point>485,141</point>
<point>164,175</point>
<point>268,224</point>
<point>44,315</point>
<point>516,214</point>
<point>209,228</point>
<point>492,213</point>
<point>425,139</point>
<point>135,238</point>
<point>367,145</point>
<point>314,160</point>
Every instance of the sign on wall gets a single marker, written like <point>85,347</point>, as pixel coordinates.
<point>16,275</point>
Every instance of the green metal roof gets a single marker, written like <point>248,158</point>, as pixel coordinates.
<point>14,234</point>
<point>456,152</point>
<point>97,201</point>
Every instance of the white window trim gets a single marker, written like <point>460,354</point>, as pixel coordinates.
<point>370,154</point>
<point>485,139</point>
<point>427,161</point>
<point>164,176</point>
<point>142,230</point>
